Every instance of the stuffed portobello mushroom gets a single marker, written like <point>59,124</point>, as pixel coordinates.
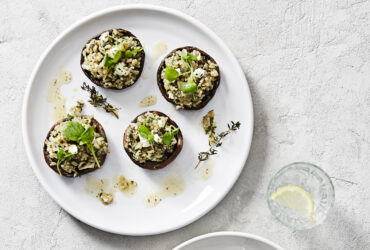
<point>75,145</point>
<point>113,59</point>
<point>152,140</point>
<point>188,77</point>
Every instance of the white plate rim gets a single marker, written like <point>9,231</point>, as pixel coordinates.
<point>228,233</point>
<point>177,13</point>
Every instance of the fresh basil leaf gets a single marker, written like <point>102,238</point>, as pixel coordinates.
<point>191,56</point>
<point>137,50</point>
<point>167,138</point>
<point>189,87</point>
<point>88,135</point>
<point>146,134</point>
<point>129,54</point>
<point>117,56</point>
<point>107,62</point>
<point>73,130</point>
<point>174,130</point>
<point>60,154</point>
<point>188,57</point>
<point>171,74</point>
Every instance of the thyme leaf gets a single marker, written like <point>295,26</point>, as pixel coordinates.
<point>203,156</point>
<point>98,101</point>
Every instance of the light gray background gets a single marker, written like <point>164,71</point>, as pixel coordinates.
<point>308,67</point>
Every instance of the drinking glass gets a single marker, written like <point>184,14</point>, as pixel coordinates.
<point>312,179</point>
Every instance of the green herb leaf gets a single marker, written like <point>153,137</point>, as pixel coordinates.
<point>91,148</point>
<point>87,136</point>
<point>73,130</point>
<point>132,53</point>
<point>188,57</point>
<point>192,57</point>
<point>136,50</point>
<point>168,136</point>
<point>189,87</point>
<point>146,134</point>
<point>117,56</point>
<point>107,61</point>
<point>110,63</point>
<point>129,54</point>
<point>60,154</point>
<point>171,74</point>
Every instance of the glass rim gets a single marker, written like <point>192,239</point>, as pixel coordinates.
<point>282,170</point>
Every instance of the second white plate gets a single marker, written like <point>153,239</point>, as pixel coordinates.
<point>130,215</point>
<point>229,241</point>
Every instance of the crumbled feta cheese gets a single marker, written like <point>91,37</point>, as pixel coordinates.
<point>157,138</point>
<point>161,122</point>
<point>199,57</point>
<point>104,36</point>
<point>73,149</point>
<point>112,52</point>
<point>214,73</point>
<point>178,70</point>
<point>170,95</point>
<point>144,142</point>
<point>199,72</point>
<point>121,70</point>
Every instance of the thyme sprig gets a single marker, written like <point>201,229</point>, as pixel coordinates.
<point>98,101</point>
<point>203,156</point>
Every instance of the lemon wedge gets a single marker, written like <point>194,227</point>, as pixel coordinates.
<point>295,198</point>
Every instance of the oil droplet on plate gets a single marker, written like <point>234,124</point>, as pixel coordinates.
<point>148,101</point>
<point>55,98</point>
<point>207,170</point>
<point>172,185</point>
<point>158,50</point>
<point>100,188</point>
<point>128,187</point>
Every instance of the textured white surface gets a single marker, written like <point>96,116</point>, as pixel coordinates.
<point>308,66</point>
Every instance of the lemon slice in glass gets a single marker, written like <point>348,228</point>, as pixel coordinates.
<point>295,198</point>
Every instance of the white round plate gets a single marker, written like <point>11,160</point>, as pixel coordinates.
<point>228,241</point>
<point>131,215</point>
